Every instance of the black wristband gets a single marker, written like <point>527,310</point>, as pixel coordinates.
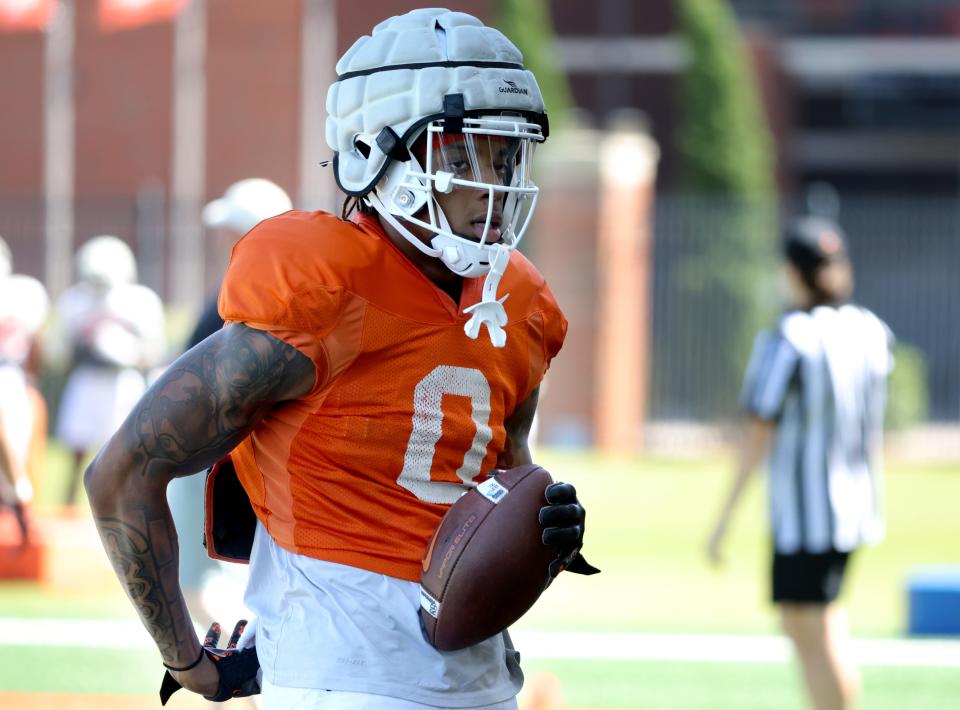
<point>192,665</point>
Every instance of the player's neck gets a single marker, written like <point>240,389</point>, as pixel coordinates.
<point>429,266</point>
<point>453,288</point>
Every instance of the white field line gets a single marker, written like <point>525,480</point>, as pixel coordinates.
<point>724,648</point>
<point>710,648</point>
<point>77,633</point>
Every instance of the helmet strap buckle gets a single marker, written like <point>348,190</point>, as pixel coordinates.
<point>389,142</point>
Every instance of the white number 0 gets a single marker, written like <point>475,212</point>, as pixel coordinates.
<point>428,427</point>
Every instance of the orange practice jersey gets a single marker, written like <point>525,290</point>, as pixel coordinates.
<point>407,411</point>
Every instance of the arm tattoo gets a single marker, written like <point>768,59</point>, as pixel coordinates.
<point>143,553</point>
<point>208,400</point>
<point>196,413</point>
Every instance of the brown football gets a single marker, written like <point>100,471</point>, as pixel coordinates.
<point>486,565</point>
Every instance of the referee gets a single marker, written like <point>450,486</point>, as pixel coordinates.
<point>814,394</point>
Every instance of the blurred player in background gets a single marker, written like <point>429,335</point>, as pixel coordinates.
<point>23,311</point>
<point>243,206</point>
<point>814,394</point>
<point>371,371</point>
<point>115,330</point>
<point>218,588</point>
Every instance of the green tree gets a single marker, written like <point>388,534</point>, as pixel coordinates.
<point>727,177</point>
<point>529,25</point>
<point>723,139</point>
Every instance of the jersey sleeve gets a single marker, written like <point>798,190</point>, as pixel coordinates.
<point>548,330</point>
<point>275,283</point>
<point>554,327</point>
<point>772,366</point>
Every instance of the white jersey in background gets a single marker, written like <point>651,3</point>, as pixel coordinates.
<point>121,325</point>
<point>116,334</point>
<point>23,310</point>
<point>822,375</point>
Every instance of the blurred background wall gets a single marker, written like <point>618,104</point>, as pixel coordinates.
<point>128,125</point>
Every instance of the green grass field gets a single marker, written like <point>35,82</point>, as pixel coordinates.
<point>647,524</point>
<point>745,686</point>
<point>586,684</point>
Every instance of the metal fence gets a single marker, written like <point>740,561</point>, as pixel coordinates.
<point>140,219</point>
<point>906,255</point>
<point>920,17</point>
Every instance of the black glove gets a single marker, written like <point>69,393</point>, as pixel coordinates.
<point>563,522</point>
<point>237,669</point>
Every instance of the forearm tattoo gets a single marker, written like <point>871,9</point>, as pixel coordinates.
<point>144,555</point>
<point>196,413</point>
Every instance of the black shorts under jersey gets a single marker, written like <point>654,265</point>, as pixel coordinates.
<point>808,578</point>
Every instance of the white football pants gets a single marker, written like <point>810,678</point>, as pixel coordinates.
<point>275,697</point>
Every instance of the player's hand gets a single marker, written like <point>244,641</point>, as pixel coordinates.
<point>563,521</point>
<point>202,678</point>
<point>221,674</point>
<point>23,489</point>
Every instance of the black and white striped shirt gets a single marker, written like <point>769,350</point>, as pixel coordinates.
<point>821,376</point>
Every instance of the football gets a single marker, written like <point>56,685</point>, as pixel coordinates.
<point>486,565</point>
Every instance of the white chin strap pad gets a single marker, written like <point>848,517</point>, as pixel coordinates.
<point>464,259</point>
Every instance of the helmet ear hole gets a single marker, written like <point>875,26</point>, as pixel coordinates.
<point>362,146</point>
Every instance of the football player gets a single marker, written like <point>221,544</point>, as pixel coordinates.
<point>242,207</point>
<point>115,331</point>
<point>218,588</point>
<point>814,393</point>
<point>23,311</point>
<point>371,370</point>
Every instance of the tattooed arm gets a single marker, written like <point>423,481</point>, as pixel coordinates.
<point>196,413</point>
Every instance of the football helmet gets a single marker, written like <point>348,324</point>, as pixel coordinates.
<point>433,101</point>
<point>245,204</point>
<point>106,261</point>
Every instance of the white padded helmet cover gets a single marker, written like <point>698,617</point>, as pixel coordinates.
<point>361,106</point>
